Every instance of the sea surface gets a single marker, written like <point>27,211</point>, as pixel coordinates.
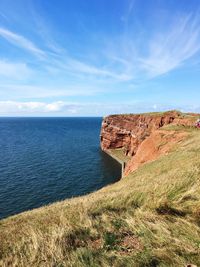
<point>43,160</point>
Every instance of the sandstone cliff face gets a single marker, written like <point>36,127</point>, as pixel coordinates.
<point>128,131</point>
<point>139,135</point>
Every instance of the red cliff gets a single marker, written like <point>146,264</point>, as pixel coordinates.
<point>139,137</point>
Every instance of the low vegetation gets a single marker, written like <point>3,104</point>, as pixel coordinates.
<point>149,218</point>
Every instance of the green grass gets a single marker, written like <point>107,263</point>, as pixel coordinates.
<point>149,218</point>
<point>155,113</point>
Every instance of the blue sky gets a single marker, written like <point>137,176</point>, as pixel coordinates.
<point>97,57</point>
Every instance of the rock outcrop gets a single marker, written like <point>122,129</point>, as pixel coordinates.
<point>139,136</point>
<point>159,143</point>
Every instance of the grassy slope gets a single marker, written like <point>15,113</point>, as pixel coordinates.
<point>150,218</point>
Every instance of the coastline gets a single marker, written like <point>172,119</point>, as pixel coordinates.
<point>128,218</point>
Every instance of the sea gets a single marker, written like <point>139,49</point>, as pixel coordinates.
<point>44,160</point>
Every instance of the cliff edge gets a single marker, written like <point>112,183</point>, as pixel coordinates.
<point>141,137</point>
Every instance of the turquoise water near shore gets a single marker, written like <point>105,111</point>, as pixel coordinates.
<point>43,160</point>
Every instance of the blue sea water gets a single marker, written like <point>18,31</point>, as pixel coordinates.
<point>43,160</point>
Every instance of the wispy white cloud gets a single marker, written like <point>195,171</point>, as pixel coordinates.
<point>24,91</point>
<point>78,67</point>
<point>22,42</point>
<point>128,11</point>
<point>3,15</point>
<point>62,61</point>
<point>45,33</point>
<point>166,47</point>
<point>170,48</point>
<point>165,50</point>
<point>17,70</point>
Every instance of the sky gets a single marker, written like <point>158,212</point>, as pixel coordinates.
<point>98,57</point>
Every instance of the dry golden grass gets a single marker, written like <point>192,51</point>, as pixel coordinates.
<point>149,218</point>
